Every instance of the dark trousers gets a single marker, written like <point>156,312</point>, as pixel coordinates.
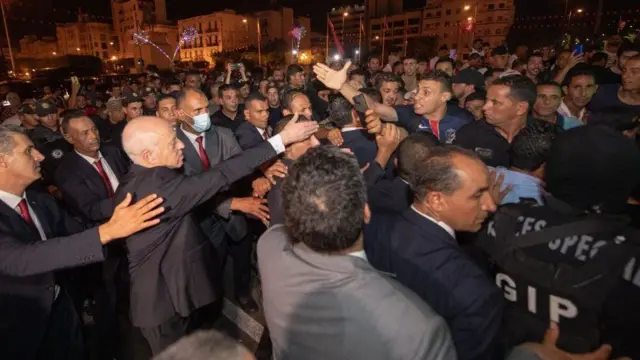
<point>63,338</point>
<point>240,252</point>
<point>162,336</point>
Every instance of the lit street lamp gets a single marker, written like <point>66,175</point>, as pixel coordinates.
<point>344,16</point>
<point>54,53</point>
<point>467,7</point>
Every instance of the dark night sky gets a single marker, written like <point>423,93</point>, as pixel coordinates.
<point>39,16</point>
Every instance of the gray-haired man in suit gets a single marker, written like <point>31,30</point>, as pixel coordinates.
<point>322,298</point>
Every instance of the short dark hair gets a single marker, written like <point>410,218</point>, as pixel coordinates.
<point>412,153</point>
<point>372,93</point>
<point>491,71</point>
<point>285,120</point>
<point>293,69</point>
<point>340,111</point>
<point>440,77</point>
<point>254,96</point>
<point>203,345</point>
<point>599,56</point>
<point>549,83</point>
<point>627,46</point>
<point>69,115</point>
<point>183,95</point>
<point>387,77</point>
<point>225,87</point>
<point>165,97</point>
<point>358,72</point>
<point>288,96</point>
<point>535,54</point>
<point>521,88</point>
<point>530,147</point>
<point>475,56</point>
<point>476,95</point>
<point>324,196</point>
<point>437,172</point>
<point>578,71</point>
<point>615,117</point>
<point>445,59</point>
<point>374,56</point>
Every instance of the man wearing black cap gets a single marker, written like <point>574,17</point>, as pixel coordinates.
<point>27,115</point>
<point>573,260</point>
<point>48,139</point>
<point>464,83</point>
<point>498,59</point>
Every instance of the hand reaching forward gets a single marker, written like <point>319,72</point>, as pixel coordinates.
<point>331,78</point>
<point>335,137</point>
<point>278,169</point>
<point>296,131</point>
<point>130,218</point>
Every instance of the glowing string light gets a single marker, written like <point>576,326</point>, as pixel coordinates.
<point>142,38</point>
<point>189,34</point>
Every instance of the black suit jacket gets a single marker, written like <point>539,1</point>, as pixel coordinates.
<point>248,136</point>
<point>362,145</point>
<point>274,198</point>
<point>173,267</point>
<point>26,270</point>
<point>83,188</point>
<point>389,194</point>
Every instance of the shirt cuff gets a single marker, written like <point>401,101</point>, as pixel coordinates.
<point>276,142</point>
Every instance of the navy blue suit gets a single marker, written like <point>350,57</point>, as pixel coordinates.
<point>388,194</point>
<point>32,324</point>
<point>362,145</point>
<point>428,260</point>
<point>248,135</point>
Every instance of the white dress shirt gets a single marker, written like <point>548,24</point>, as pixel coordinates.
<point>446,227</point>
<point>564,111</point>
<point>351,129</point>
<point>192,139</point>
<point>113,179</point>
<point>359,254</point>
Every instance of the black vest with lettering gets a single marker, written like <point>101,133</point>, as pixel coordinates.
<point>556,265</point>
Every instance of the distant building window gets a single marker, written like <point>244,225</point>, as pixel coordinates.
<point>448,12</point>
<point>457,11</point>
<point>501,5</point>
<point>490,19</point>
<point>446,35</point>
<point>498,32</point>
<point>426,26</point>
<point>429,14</point>
<point>446,24</point>
<point>104,46</point>
<point>438,13</point>
<point>105,55</point>
<point>491,6</point>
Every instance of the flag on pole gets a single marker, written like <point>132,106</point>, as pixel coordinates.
<point>336,39</point>
<point>364,33</point>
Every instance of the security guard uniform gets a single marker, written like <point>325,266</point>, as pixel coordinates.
<point>50,143</point>
<point>557,264</point>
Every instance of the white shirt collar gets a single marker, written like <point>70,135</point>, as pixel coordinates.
<point>446,227</point>
<point>89,159</point>
<point>261,131</point>
<point>351,129</point>
<point>10,199</point>
<point>360,254</point>
<point>564,110</point>
<point>190,136</point>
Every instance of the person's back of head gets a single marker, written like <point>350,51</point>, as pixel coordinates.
<point>412,153</point>
<point>593,167</point>
<point>529,149</point>
<point>205,345</point>
<point>324,200</point>
<point>372,93</point>
<point>288,96</point>
<point>623,119</point>
<point>340,111</point>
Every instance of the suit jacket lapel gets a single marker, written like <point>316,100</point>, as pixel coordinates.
<point>18,223</point>
<point>212,147</point>
<point>114,164</point>
<point>89,173</point>
<point>191,156</point>
<point>42,216</point>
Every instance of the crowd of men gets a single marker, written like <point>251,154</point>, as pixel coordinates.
<point>426,209</point>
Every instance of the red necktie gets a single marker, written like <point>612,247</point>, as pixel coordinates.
<point>203,154</point>
<point>24,211</point>
<point>103,175</point>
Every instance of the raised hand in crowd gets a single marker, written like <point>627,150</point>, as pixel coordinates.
<point>278,169</point>
<point>496,190</point>
<point>261,187</point>
<point>297,131</point>
<point>374,124</point>
<point>252,206</point>
<point>331,78</point>
<point>335,137</point>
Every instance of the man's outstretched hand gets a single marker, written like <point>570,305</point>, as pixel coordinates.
<point>296,131</point>
<point>130,218</point>
<point>331,78</point>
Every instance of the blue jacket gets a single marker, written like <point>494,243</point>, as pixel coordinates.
<point>446,128</point>
<point>428,260</point>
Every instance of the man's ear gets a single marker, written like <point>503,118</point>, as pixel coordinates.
<point>286,112</point>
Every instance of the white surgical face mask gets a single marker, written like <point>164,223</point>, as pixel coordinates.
<point>202,122</point>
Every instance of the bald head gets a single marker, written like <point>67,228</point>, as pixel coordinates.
<point>151,141</point>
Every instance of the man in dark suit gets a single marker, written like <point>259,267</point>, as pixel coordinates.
<point>452,193</point>
<point>293,151</point>
<point>204,147</point>
<point>89,175</point>
<point>394,194</point>
<point>37,319</point>
<point>275,110</point>
<point>255,129</point>
<point>173,268</point>
<point>88,178</point>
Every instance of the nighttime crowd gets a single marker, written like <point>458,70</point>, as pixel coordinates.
<point>481,207</point>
